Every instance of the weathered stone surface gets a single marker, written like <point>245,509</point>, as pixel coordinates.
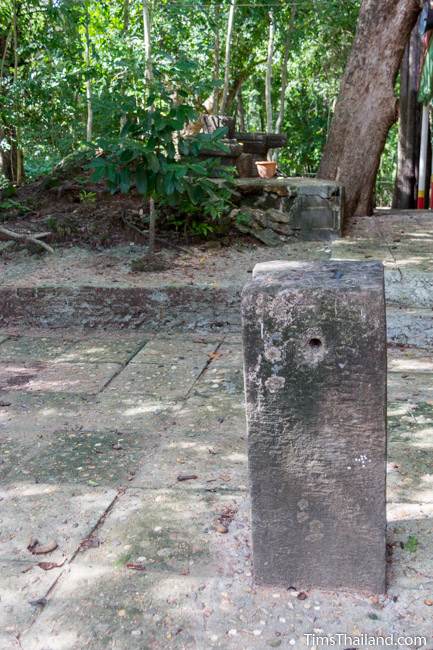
<point>86,378</point>
<point>244,165</point>
<point>278,216</point>
<point>48,513</point>
<point>259,224</point>
<point>260,143</point>
<point>315,375</point>
<point>102,350</point>
<point>285,186</point>
<point>267,236</point>
<point>310,209</point>
<point>31,348</point>
<point>90,458</point>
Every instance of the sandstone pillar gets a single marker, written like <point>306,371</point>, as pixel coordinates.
<point>315,379</point>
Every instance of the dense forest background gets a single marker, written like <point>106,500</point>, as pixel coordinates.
<point>72,70</point>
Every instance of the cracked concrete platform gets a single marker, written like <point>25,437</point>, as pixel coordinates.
<point>140,562</point>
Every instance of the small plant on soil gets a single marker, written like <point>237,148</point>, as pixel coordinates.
<point>155,154</point>
<point>87,197</point>
<point>412,544</point>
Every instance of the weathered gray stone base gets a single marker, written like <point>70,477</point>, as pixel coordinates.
<point>315,381</point>
<point>283,208</point>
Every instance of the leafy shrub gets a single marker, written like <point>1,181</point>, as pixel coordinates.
<point>155,154</point>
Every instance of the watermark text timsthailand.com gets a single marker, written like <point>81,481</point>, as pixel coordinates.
<point>365,640</point>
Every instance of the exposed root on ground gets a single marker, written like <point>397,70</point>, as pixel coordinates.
<point>34,239</point>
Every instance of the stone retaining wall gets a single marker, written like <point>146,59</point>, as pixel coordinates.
<point>278,209</point>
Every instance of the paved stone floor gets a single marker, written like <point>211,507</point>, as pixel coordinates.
<point>96,432</point>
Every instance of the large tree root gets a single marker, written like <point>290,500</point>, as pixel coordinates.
<point>26,238</point>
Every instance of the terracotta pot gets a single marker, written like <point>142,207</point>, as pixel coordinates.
<point>266,168</point>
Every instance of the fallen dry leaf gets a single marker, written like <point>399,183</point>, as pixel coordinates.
<point>40,602</point>
<point>302,595</point>
<point>137,566</point>
<point>89,542</point>
<point>220,528</point>
<point>41,549</point>
<point>214,355</point>
<point>47,566</point>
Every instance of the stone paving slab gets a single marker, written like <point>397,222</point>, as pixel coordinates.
<point>410,474</point>
<point>170,350</point>
<point>166,380</point>
<point>409,288</point>
<point>193,460</point>
<point>412,327</point>
<point>72,378</point>
<point>221,381</point>
<point>82,457</point>
<point>130,413</point>
<point>403,359</point>
<point>33,348</point>
<point>407,385</point>
<point>171,537</point>
<point>22,583</point>
<point>102,350</point>
<point>48,513</point>
<point>412,565</point>
<point>16,446</point>
<point>344,249</point>
<point>28,417</point>
<point>411,423</point>
<point>16,376</point>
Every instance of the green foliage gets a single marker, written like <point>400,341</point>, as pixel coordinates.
<point>11,207</point>
<point>43,106</point>
<point>153,154</point>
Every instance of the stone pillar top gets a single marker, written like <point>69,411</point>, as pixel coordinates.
<point>327,274</point>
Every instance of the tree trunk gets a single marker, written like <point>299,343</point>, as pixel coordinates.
<point>149,78</point>
<point>287,40</point>
<point>126,13</point>
<point>228,55</point>
<point>282,107</point>
<point>366,107</point>
<point>89,122</point>
<point>147,40</point>
<point>216,62</point>
<point>268,79</point>
<point>16,153</point>
<point>241,111</point>
<point>409,127</point>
